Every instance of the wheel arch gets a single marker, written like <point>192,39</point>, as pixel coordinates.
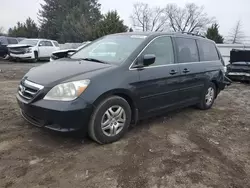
<point>125,94</point>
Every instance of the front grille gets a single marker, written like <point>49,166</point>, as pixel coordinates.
<point>17,50</point>
<point>28,90</point>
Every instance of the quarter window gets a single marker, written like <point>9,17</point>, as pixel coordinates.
<point>187,50</point>
<point>162,48</point>
<point>207,51</point>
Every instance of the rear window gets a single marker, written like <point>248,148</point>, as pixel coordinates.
<point>207,51</point>
<point>186,50</point>
<point>56,44</point>
<point>12,41</point>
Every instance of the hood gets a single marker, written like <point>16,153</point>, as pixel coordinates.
<point>64,51</point>
<point>58,71</point>
<point>239,56</point>
<point>19,45</point>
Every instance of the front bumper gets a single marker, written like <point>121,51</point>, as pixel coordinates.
<point>22,56</point>
<point>240,76</point>
<point>57,115</point>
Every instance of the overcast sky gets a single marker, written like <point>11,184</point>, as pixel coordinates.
<point>226,12</point>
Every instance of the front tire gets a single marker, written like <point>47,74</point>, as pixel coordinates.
<point>110,120</point>
<point>208,97</point>
<point>35,57</point>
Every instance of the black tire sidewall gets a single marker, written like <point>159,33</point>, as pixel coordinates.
<point>97,133</point>
<point>36,57</point>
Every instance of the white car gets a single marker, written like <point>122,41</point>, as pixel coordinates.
<point>33,49</point>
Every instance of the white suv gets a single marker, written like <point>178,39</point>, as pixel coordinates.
<point>33,49</point>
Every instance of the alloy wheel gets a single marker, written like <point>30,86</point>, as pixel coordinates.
<point>209,96</point>
<point>113,121</point>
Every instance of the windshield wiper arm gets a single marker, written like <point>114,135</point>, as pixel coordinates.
<point>94,60</point>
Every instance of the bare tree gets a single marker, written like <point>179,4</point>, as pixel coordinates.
<point>236,35</point>
<point>148,19</point>
<point>191,18</point>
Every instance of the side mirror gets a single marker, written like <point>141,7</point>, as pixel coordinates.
<point>145,61</point>
<point>40,44</point>
<point>148,59</point>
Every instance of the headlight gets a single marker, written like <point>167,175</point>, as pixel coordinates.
<point>67,91</point>
<point>29,50</point>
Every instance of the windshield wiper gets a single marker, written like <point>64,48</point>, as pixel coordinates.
<point>94,60</point>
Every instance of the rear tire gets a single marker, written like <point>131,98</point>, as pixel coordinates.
<point>35,57</point>
<point>208,97</point>
<point>110,120</point>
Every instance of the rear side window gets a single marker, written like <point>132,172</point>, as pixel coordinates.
<point>207,51</point>
<point>162,48</point>
<point>12,41</point>
<point>186,50</point>
<point>56,44</point>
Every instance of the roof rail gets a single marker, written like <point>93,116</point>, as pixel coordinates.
<point>193,34</point>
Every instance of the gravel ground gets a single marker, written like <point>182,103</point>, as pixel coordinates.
<point>186,148</point>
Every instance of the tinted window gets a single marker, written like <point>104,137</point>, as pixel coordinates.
<point>3,40</point>
<point>187,50</point>
<point>12,41</point>
<point>162,48</point>
<point>48,43</point>
<point>207,51</point>
<point>56,44</point>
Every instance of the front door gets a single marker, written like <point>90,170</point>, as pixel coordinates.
<point>43,50</point>
<point>159,82</point>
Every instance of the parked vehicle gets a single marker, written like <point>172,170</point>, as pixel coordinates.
<point>33,49</point>
<point>66,52</point>
<point>4,42</point>
<point>239,67</point>
<point>119,79</point>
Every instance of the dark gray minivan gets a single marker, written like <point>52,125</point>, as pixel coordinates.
<point>119,79</point>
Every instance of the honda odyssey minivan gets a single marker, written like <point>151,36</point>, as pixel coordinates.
<point>119,79</point>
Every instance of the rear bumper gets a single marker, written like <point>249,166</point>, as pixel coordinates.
<point>240,76</point>
<point>55,115</point>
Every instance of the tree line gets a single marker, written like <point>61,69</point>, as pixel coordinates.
<point>70,21</point>
<point>81,20</point>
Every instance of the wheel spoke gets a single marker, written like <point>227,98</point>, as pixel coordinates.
<point>107,122</point>
<point>106,127</point>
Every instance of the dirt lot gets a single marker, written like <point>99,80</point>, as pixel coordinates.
<point>188,148</point>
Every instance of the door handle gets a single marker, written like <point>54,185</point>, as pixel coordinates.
<point>173,72</point>
<point>186,70</point>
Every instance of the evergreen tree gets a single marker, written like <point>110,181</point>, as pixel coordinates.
<point>111,23</point>
<point>69,20</point>
<point>28,29</point>
<point>213,34</point>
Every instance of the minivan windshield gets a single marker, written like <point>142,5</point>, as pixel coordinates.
<point>111,49</point>
<point>29,42</point>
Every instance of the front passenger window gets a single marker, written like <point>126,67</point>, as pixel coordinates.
<point>42,43</point>
<point>162,48</point>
